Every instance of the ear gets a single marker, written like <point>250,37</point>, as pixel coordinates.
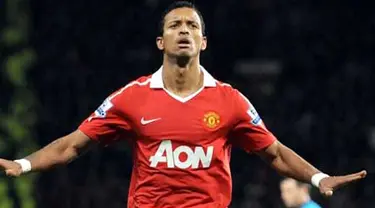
<point>160,43</point>
<point>204,43</point>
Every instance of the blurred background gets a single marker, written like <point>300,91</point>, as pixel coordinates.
<point>307,66</point>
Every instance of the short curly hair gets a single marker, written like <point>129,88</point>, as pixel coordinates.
<point>176,5</point>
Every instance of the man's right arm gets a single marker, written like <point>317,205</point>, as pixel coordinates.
<point>106,125</point>
<point>59,152</point>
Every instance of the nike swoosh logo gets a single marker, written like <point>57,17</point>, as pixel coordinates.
<point>145,122</point>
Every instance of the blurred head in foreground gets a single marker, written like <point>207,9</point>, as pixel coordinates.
<point>295,193</point>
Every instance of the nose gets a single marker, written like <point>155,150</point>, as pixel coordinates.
<point>184,30</point>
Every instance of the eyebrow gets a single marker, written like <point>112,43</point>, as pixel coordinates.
<point>179,21</point>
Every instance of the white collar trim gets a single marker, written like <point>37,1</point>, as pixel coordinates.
<point>157,79</point>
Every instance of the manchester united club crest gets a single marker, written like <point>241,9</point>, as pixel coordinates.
<point>211,120</point>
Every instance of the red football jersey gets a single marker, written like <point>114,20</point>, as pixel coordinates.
<point>181,146</point>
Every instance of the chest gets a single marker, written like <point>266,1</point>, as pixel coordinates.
<point>197,121</point>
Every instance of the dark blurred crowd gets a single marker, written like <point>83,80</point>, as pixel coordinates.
<point>307,66</point>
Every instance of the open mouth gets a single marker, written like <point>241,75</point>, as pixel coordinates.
<point>184,43</point>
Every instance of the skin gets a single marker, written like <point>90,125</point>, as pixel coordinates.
<point>294,194</point>
<point>181,76</point>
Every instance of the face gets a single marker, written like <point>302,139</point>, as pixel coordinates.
<point>291,193</point>
<point>182,33</point>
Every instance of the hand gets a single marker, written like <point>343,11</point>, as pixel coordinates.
<point>330,184</point>
<point>11,168</point>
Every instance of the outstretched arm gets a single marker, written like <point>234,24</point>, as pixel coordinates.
<point>251,134</point>
<point>289,164</point>
<point>59,152</point>
<point>104,126</point>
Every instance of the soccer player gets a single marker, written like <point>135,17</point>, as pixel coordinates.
<point>181,124</point>
<point>296,194</point>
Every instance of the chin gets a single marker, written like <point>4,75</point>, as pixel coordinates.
<point>184,55</point>
<point>184,52</point>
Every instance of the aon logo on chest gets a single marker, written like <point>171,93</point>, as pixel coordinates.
<point>194,157</point>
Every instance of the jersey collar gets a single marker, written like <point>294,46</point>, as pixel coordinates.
<point>157,79</point>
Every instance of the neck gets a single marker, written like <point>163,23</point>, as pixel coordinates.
<point>182,75</point>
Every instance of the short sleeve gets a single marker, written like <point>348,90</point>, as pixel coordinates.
<point>108,123</point>
<point>249,132</point>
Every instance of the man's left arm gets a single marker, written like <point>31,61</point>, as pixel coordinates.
<point>251,134</point>
<point>288,163</point>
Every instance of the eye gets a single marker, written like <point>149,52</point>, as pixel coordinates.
<point>174,24</point>
<point>193,24</point>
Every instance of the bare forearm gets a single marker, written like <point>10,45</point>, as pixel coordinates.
<point>292,165</point>
<point>51,155</point>
<point>287,163</point>
<point>59,152</point>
